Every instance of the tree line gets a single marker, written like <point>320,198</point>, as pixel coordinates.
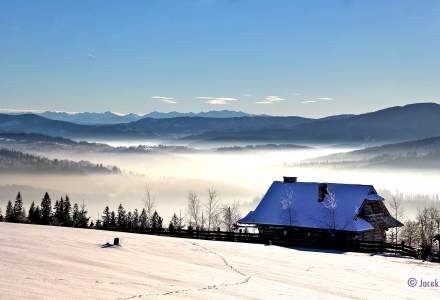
<point>62,213</point>
<point>209,215</point>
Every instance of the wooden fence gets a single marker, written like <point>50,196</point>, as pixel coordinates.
<point>329,243</point>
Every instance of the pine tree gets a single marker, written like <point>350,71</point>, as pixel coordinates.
<point>106,217</point>
<point>143,220</point>
<point>129,220</point>
<point>122,217</point>
<point>31,213</point>
<point>156,222</point>
<point>83,220</point>
<point>135,219</point>
<point>67,210</point>
<point>59,215</point>
<point>19,215</point>
<point>9,216</point>
<point>37,215</point>
<point>56,220</point>
<point>112,219</point>
<point>75,215</point>
<point>1,215</point>
<point>46,210</point>
<point>175,221</point>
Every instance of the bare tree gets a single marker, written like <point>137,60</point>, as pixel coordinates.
<point>330,204</point>
<point>410,232</point>
<point>287,207</point>
<point>212,209</point>
<point>230,215</point>
<point>194,209</point>
<point>397,212</point>
<point>149,204</point>
<point>427,227</point>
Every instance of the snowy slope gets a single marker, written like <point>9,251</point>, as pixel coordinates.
<point>42,262</point>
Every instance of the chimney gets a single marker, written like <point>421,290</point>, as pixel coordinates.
<point>288,179</point>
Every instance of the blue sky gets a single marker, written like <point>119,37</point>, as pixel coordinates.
<point>310,58</point>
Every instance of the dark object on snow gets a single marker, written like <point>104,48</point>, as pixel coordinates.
<point>116,242</point>
<point>107,245</point>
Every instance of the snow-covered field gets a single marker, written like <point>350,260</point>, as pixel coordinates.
<point>43,262</point>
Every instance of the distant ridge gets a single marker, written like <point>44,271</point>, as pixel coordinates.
<point>394,124</point>
<point>108,117</point>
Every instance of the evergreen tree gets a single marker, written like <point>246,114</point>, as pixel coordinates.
<point>31,213</point>
<point>46,210</point>
<point>1,215</point>
<point>92,225</point>
<point>135,219</point>
<point>122,217</point>
<point>19,215</point>
<point>67,210</point>
<point>37,215</point>
<point>129,220</point>
<point>9,216</point>
<point>98,224</point>
<point>156,222</point>
<point>175,221</point>
<point>75,215</point>
<point>59,212</point>
<point>143,220</point>
<point>171,227</point>
<point>106,217</point>
<point>83,220</point>
<point>112,219</point>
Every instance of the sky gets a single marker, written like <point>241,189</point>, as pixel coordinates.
<point>309,58</point>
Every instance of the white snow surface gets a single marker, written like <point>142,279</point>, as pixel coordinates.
<point>44,262</point>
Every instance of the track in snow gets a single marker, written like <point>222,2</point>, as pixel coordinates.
<point>208,287</point>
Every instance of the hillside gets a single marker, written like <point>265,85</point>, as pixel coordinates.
<point>414,121</point>
<point>15,161</point>
<point>45,262</point>
<point>424,153</point>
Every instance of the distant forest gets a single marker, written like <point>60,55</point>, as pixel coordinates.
<point>16,161</point>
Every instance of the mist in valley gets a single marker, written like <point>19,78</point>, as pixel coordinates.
<point>242,176</point>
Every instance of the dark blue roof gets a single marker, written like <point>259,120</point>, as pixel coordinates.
<point>296,204</point>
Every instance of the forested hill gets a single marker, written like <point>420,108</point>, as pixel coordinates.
<point>15,161</point>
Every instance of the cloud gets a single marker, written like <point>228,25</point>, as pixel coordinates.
<point>217,100</point>
<point>325,98</point>
<point>18,110</point>
<point>308,101</point>
<point>271,100</point>
<point>164,99</point>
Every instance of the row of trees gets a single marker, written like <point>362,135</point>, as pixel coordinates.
<point>61,214</point>
<point>208,215</point>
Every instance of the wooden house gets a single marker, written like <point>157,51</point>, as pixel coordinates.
<point>292,209</point>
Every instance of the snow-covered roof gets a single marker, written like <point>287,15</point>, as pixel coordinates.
<point>297,204</point>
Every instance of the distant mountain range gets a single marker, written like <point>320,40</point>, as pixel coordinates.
<point>108,117</point>
<point>394,124</point>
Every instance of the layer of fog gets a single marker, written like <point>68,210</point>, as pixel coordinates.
<point>241,176</point>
